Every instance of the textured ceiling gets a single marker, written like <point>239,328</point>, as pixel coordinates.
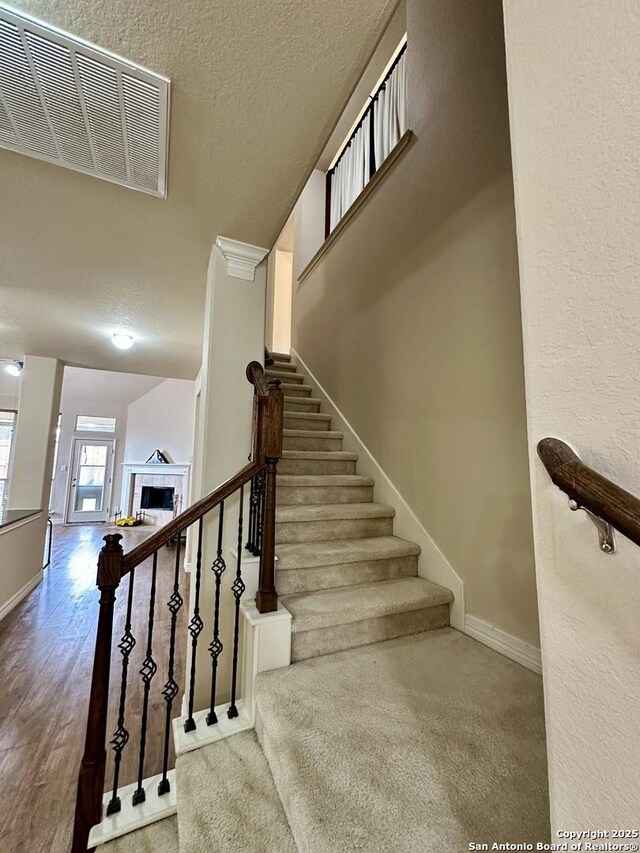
<point>256,90</point>
<point>106,386</point>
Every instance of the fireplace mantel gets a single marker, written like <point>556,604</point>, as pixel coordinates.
<point>130,469</point>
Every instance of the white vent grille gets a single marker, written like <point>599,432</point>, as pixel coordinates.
<point>70,103</point>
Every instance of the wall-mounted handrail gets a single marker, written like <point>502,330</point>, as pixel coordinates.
<point>590,490</point>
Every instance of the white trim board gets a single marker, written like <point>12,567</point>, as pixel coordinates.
<point>508,645</point>
<point>132,817</point>
<point>8,606</point>
<point>432,564</point>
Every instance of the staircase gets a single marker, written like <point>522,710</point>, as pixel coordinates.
<point>391,731</point>
<point>342,574</point>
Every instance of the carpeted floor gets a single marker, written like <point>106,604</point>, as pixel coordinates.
<point>160,837</point>
<point>425,743</point>
<point>227,802</point>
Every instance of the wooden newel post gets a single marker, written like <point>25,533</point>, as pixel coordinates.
<point>92,767</point>
<point>267,597</point>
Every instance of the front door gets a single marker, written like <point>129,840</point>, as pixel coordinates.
<point>90,483</point>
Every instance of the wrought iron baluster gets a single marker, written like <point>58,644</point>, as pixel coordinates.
<point>121,735</point>
<point>170,689</point>
<point>147,671</point>
<point>260,514</point>
<point>195,629</point>
<point>215,647</point>
<point>252,528</point>
<point>237,587</point>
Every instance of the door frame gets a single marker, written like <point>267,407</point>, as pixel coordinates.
<point>103,514</point>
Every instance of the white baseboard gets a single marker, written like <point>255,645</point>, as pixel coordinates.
<point>432,564</point>
<point>508,645</point>
<point>8,606</point>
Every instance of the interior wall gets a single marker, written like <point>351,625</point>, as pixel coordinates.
<point>309,216</point>
<point>411,320</point>
<point>283,284</point>
<point>574,93</point>
<point>34,434</point>
<point>70,408</point>
<point>162,419</point>
<point>9,390</point>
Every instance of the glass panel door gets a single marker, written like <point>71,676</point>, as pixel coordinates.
<point>90,483</point>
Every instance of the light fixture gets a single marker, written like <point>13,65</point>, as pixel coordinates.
<point>122,340</point>
<point>14,368</point>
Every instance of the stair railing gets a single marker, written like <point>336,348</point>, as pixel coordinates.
<point>114,565</point>
<point>605,503</point>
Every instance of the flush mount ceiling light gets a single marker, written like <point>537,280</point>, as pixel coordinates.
<point>74,104</point>
<point>14,368</point>
<point>122,340</point>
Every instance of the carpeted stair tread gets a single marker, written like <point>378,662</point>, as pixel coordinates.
<point>416,744</point>
<point>287,387</point>
<point>320,454</point>
<point>302,555</point>
<point>159,837</point>
<point>280,356</point>
<point>284,375</point>
<point>316,480</point>
<point>332,607</point>
<point>304,416</point>
<point>312,433</point>
<point>228,802</point>
<point>332,512</point>
<point>297,400</point>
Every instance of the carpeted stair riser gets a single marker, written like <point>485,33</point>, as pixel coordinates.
<point>280,356</point>
<point>316,466</point>
<point>332,529</point>
<point>301,404</point>
<point>301,495</point>
<point>327,641</point>
<point>316,441</point>
<point>291,581</point>
<point>307,421</point>
<point>283,365</point>
<point>293,390</point>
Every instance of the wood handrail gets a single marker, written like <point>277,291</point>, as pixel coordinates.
<point>589,489</point>
<point>173,528</point>
<point>113,564</point>
<point>255,375</point>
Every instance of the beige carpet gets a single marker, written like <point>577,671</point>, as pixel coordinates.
<point>227,802</point>
<point>424,743</point>
<point>160,837</point>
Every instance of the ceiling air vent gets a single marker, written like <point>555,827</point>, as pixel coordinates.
<point>68,102</point>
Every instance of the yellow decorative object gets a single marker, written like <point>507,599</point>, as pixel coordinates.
<point>126,522</point>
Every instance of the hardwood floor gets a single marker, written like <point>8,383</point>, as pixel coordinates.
<point>46,655</point>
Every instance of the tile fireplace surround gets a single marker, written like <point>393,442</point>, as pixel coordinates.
<point>134,476</point>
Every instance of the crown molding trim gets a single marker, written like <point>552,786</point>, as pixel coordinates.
<point>241,258</point>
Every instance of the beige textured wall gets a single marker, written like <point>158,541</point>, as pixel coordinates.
<point>575,110</point>
<point>412,319</point>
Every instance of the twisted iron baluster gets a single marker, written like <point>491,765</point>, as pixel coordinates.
<point>147,671</point>
<point>121,735</point>
<point>170,689</point>
<point>237,587</point>
<point>251,532</point>
<point>195,629</point>
<point>262,479</point>
<point>215,647</point>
